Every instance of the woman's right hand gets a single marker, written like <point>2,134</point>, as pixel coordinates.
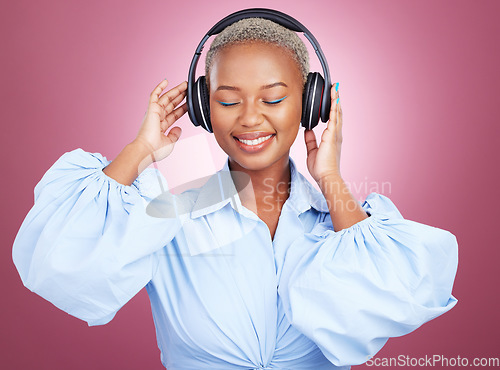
<point>161,114</point>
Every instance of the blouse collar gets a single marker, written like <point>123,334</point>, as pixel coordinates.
<point>220,190</point>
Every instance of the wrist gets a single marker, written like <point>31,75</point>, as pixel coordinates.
<point>142,149</point>
<point>128,164</point>
<point>140,155</point>
<point>331,183</point>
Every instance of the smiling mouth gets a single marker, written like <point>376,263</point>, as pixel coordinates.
<point>255,141</point>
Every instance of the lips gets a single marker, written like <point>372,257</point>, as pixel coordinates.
<point>256,145</point>
<point>253,135</point>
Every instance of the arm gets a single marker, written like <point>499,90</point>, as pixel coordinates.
<point>384,277</point>
<point>129,164</point>
<point>323,163</point>
<point>88,244</point>
<point>345,210</point>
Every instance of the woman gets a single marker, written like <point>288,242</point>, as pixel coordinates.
<point>280,275</point>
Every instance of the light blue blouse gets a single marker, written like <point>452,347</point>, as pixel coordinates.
<point>223,294</point>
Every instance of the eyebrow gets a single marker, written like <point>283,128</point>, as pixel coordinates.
<point>234,88</point>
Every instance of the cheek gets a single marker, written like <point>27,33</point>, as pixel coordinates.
<point>292,114</point>
<point>296,111</point>
<point>218,118</point>
<point>221,126</point>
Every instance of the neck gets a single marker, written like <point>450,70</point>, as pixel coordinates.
<point>269,184</point>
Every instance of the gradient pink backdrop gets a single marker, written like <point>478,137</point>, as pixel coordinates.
<point>420,95</point>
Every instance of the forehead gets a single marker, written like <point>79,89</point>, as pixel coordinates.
<point>255,60</point>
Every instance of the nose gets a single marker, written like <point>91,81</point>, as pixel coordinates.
<point>251,114</point>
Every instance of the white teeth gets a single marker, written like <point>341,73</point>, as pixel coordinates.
<point>256,141</point>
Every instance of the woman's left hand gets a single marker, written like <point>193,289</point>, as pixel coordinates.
<point>324,160</point>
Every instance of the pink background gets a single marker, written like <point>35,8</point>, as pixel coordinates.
<point>420,96</point>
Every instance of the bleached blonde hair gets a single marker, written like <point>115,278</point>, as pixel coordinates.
<point>264,30</point>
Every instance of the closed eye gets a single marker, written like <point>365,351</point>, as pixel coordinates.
<point>267,102</point>
<point>226,104</point>
<point>275,101</point>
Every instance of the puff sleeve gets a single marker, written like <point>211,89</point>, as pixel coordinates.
<point>87,245</point>
<point>349,291</point>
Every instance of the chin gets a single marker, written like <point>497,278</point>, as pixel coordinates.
<point>256,162</point>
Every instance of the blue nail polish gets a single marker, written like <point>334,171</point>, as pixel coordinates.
<point>337,87</point>
<point>338,100</point>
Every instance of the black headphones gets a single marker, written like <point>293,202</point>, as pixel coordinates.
<point>316,97</point>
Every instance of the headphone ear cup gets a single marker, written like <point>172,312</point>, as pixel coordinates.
<point>201,104</point>
<point>311,100</point>
<point>305,101</point>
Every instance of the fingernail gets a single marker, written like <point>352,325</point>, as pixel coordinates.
<point>337,100</point>
<point>337,86</point>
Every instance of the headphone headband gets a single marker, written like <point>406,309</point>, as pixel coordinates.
<point>273,15</point>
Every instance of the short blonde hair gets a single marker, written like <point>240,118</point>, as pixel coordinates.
<point>264,30</point>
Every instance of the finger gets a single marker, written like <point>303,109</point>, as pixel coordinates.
<point>310,139</point>
<point>170,95</point>
<point>155,95</point>
<point>334,98</point>
<point>172,104</point>
<point>174,134</point>
<point>174,116</point>
<point>340,121</point>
